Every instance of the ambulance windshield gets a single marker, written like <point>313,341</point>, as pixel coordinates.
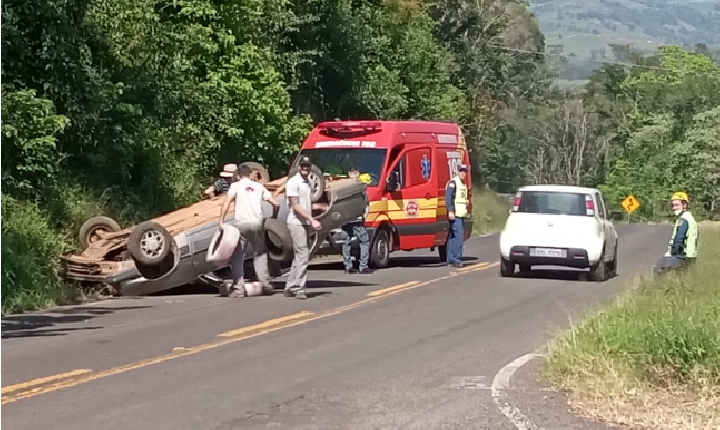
<point>338,162</point>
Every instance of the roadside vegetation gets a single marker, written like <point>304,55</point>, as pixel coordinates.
<point>128,109</point>
<point>653,358</point>
<point>490,211</point>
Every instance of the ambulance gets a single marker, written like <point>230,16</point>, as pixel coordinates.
<point>406,165</point>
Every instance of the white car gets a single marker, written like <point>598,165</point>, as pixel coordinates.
<point>557,225</point>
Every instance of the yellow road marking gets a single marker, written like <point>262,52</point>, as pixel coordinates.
<point>231,336</point>
<point>473,267</point>
<point>44,380</point>
<point>391,289</point>
<point>266,324</point>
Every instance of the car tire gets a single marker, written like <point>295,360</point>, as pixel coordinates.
<point>507,268</point>
<point>612,267</point>
<point>258,169</point>
<point>317,181</point>
<point>278,240</point>
<point>598,271</point>
<point>442,253</point>
<point>89,229</point>
<point>380,250</point>
<point>155,271</point>
<point>150,244</point>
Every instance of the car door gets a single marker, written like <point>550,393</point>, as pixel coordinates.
<point>607,227</point>
<point>412,205</point>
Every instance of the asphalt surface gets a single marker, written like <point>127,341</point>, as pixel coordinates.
<point>413,346</point>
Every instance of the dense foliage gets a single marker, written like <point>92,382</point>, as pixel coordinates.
<point>127,109</point>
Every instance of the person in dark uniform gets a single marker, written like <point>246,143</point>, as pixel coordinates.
<point>357,228</point>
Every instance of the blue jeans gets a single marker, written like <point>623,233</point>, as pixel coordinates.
<point>455,241</point>
<point>358,230</point>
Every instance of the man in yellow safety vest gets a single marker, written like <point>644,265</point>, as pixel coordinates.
<point>683,245</point>
<point>456,202</point>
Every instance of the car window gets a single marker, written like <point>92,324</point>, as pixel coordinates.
<point>552,202</point>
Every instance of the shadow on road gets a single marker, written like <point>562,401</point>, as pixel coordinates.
<point>32,325</point>
<point>395,262</point>
<point>557,275</point>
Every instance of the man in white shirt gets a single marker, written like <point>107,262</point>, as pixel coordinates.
<point>248,196</point>
<point>298,190</point>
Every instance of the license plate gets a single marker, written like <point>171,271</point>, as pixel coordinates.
<point>548,252</point>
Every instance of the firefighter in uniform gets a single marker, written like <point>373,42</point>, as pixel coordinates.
<point>456,202</point>
<point>683,245</point>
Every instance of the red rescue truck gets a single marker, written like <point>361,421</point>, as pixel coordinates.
<point>408,164</point>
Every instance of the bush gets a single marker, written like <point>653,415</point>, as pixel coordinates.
<point>30,251</point>
<point>490,212</point>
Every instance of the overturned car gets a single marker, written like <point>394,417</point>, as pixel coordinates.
<point>170,250</point>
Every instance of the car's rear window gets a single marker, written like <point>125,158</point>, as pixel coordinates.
<point>552,202</point>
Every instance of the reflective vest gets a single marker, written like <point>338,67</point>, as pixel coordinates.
<point>691,237</point>
<point>461,198</point>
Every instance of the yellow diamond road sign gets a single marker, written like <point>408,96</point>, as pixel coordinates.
<point>630,204</point>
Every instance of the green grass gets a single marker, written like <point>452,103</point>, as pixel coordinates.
<point>489,212</point>
<point>653,358</point>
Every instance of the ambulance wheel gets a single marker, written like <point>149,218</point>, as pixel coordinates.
<point>442,253</point>
<point>259,172</point>
<point>380,251</point>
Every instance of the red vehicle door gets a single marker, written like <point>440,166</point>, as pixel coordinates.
<point>412,197</point>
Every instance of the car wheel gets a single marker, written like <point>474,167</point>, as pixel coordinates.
<point>507,268</point>
<point>150,244</point>
<point>317,181</point>
<point>442,253</point>
<point>613,264</point>
<point>91,229</point>
<point>155,271</point>
<point>524,267</point>
<point>259,172</point>
<point>278,240</point>
<point>597,271</point>
<point>380,251</point>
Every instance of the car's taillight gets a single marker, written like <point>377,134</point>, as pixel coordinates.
<point>589,205</point>
<point>516,203</point>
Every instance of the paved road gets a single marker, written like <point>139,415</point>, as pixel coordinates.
<point>414,346</point>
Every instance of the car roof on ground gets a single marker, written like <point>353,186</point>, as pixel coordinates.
<point>559,188</point>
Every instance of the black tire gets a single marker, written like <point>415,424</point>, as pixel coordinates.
<point>380,251</point>
<point>613,264</point>
<point>317,181</point>
<point>507,268</point>
<point>598,272</point>
<point>155,271</point>
<point>150,244</point>
<point>524,267</point>
<point>442,253</point>
<point>278,240</point>
<point>259,169</point>
<point>89,228</point>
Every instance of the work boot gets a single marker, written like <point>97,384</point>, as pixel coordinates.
<point>366,271</point>
<point>301,294</point>
<point>350,271</point>
<point>289,292</point>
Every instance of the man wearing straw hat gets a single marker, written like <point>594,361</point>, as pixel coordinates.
<point>222,185</point>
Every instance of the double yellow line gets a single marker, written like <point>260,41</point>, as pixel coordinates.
<point>13,393</point>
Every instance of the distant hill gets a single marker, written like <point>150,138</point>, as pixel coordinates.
<point>585,30</point>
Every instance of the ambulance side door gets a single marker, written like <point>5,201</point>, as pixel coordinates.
<point>412,204</point>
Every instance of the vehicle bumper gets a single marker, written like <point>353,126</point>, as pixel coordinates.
<point>575,257</point>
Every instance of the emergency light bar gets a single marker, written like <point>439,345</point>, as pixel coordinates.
<point>350,126</point>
